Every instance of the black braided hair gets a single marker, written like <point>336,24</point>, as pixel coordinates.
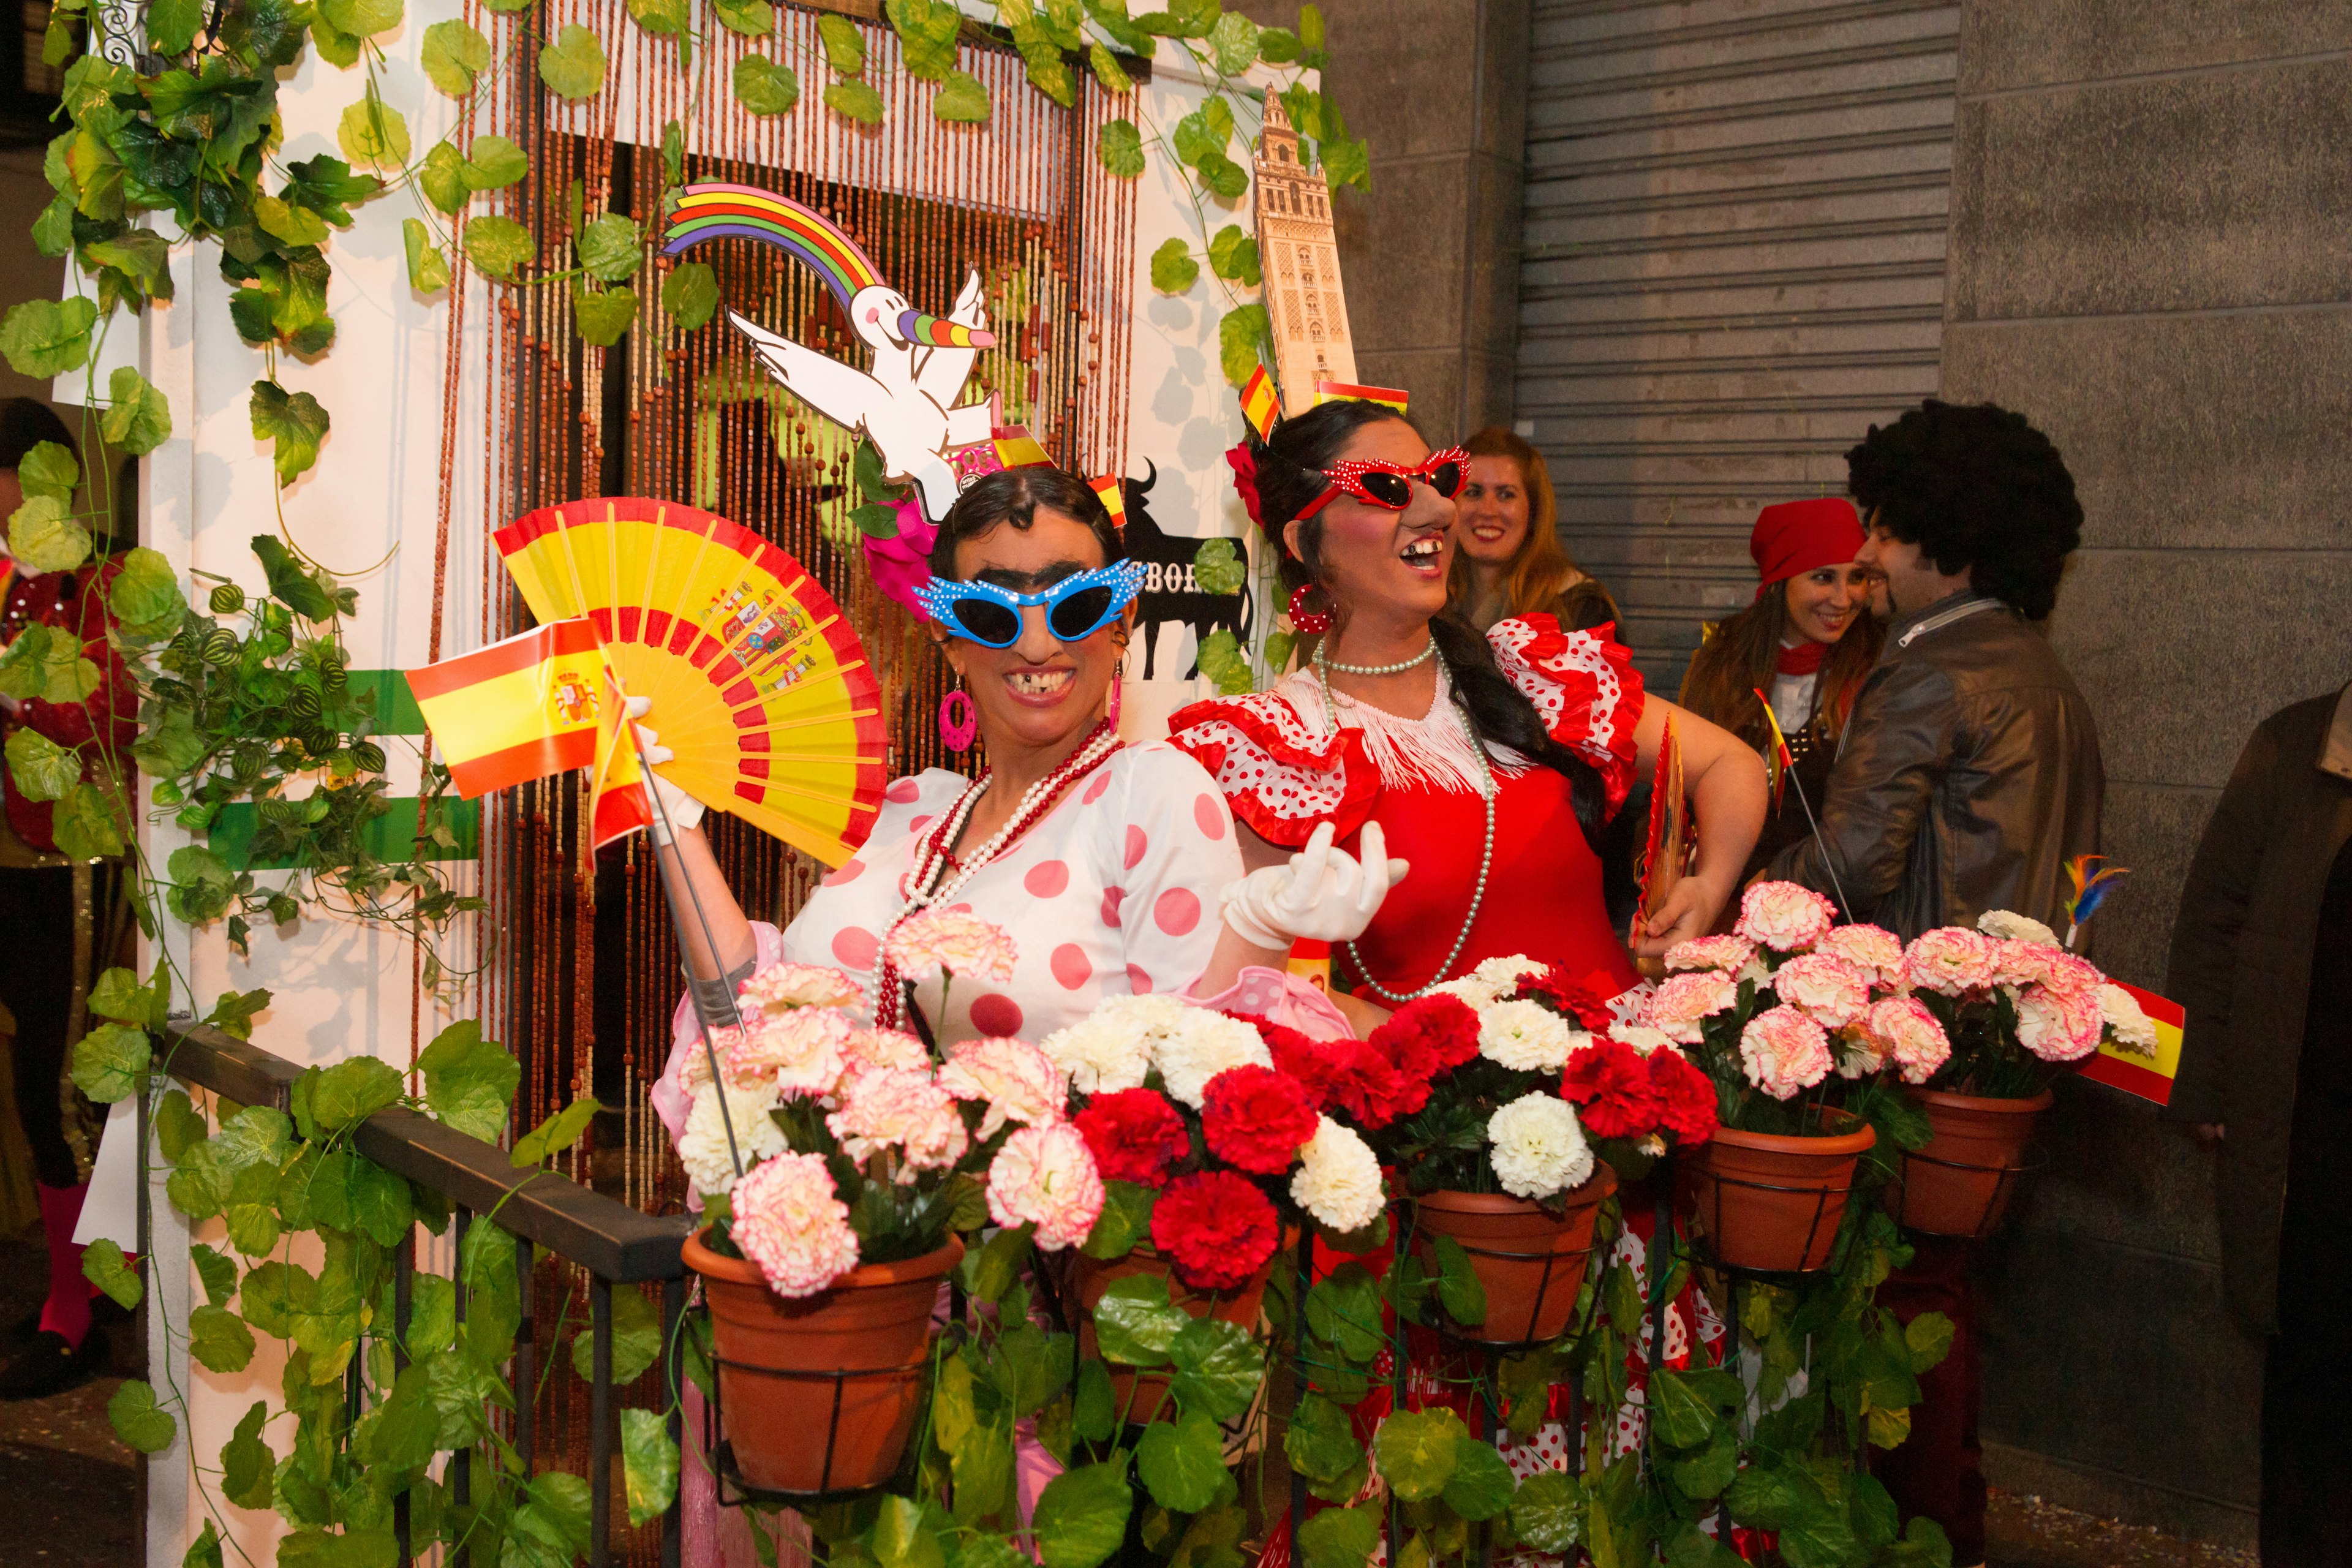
<point>1289,477</point>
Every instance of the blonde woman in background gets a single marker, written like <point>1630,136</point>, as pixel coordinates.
<point>1508,560</point>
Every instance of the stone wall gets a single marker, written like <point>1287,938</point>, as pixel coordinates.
<point>2147,257</point>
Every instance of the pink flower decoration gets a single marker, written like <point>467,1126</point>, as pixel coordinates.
<point>869,1048</point>
<point>1784,1052</point>
<point>2058,1025</point>
<point>902,565</point>
<point>782,986</point>
<point>1951,960</point>
<point>1045,1176</point>
<point>789,1222</point>
<point>801,1052</point>
<point>1726,955</point>
<point>1784,917</point>
<point>1904,1032</point>
<point>695,1071</point>
<point>1019,1082</point>
<point>1873,950</point>
<point>964,945</point>
<point>1676,1007</point>
<point>895,1111</point>
<point>1830,990</point>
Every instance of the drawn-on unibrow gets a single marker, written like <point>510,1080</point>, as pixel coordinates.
<point>1032,582</point>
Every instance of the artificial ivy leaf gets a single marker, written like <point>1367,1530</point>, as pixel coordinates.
<point>1233,43</point>
<point>373,134</point>
<point>854,100</point>
<point>1347,162</point>
<point>1173,271</point>
<point>43,536</point>
<point>53,230</point>
<point>454,54</point>
<point>428,269</point>
<point>962,100</point>
<point>1221,177</point>
<point>497,245</point>
<point>84,825</point>
<point>554,1135</point>
<point>294,423</point>
<point>1125,1220</point>
<point>351,1092</point>
<point>1233,255</point>
<point>900,1539</point>
<point>1108,72</point>
<point>1220,658</point>
<point>218,1273</point>
<point>247,1466</point>
<point>108,1060</point>
<point>494,162</point>
<point>1684,1405</point>
<point>649,1459</point>
<point>40,769</point>
<point>1709,1469</point>
<point>442,176</point>
<point>354,1548</point>
<point>637,1339</point>
<point>665,17</point>
<point>1183,1463</point>
<point>144,592</point>
<point>1118,148</point>
<point>752,18</point>
<point>103,1265</point>
<point>845,45</point>
<point>1241,337</point>
<point>1547,1511</point>
<point>763,87</point>
<point>1927,1337</point>
<point>1218,567</point>
<point>554,1516</point>
<point>432,1314</point>
<point>138,419</point>
<point>137,1421</point>
<point>1458,1286</point>
<point>1094,1410</point>
<point>219,1339</point>
<point>1320,1443</point>
<point>1081,1516</point>
<point>1338,1537</point>
<point>612,247</point>
<point>362,18</point>
<point>470,1082</point>
<point>171,25</point>
<point>1417,1450</point>
<point>48,469</point>
<point>927,32</point>
<point>1482,1482</point>
<point>690,295</point>
<point>204,1551</point>
<point>1277,46</point>
<point>1218,1368</point>
<point>574,65</point>
<point>179,1125</point>
<point>1134,1323</point>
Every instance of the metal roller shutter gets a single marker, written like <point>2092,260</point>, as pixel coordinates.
<point>1734,264</point>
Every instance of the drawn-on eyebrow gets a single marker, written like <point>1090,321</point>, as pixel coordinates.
<point>1032,582</point>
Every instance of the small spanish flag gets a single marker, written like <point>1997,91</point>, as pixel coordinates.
<point>1113,490</point>
<point>1346,391</point>
<point>1016,448</point>
<point>617,804</point>
<point>2150,1078</point>
<point>1261,405</point>
<point>518,710</point>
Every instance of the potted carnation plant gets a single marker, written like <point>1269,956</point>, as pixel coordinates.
<point>836,1163</point>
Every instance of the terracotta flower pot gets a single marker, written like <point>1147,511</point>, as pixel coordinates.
<point>1770,1202</point>
<point>1090,1277</point>
<point>1531,1262</point>
<point>1960,1184</point>
<point>793,1426</point>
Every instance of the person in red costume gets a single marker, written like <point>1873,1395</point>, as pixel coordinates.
<point>1808,643</point>
<point>1492,763</point>
<point>41,916</point>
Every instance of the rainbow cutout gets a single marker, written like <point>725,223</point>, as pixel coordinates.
<point>939,333</point>
<point>713,211</point>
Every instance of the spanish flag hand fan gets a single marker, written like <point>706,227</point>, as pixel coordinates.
<point>758,684</point>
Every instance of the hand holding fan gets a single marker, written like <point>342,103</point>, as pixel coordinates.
<point>758,684</point>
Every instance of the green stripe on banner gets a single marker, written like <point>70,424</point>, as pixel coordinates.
<point>396,712</point>
<point>389,837</point>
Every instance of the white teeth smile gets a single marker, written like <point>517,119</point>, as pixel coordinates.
<point>1039,682</point>
<point>1420,549</point>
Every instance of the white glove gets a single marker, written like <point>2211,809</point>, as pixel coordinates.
<point>1322,895</point>
<point>683,809</point>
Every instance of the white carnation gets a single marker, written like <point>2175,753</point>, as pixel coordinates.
<point>1526,1036</point>
<point>1502,975</point>
<point>1201,1044</point>
<point>2127,1026</point>
<point>1110,1048</point>
<point>2010,926</point>
<point>1538,1149</point>
<point>1642,1039</point>
<point>703,1150</point>
<point>1339,1178</point>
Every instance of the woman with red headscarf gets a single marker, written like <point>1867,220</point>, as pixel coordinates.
<point>1806,643</point>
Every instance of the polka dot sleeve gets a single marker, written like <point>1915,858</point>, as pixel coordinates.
<point>1584,686</point>
<point>1174,853</point>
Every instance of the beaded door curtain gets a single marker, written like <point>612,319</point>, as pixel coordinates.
<point>581,969</point>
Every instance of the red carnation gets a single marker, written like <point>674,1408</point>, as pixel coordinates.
<point>1316,1066</point>
<point>1256,1118</point>
<point>1685,1096</point>
<point>1134,1133</point>
<point>1609,1086</point>
<point>1424,1038</point>
<point>1565,996</point>
<point>1215,1227</point>
<point>1372,1090</point>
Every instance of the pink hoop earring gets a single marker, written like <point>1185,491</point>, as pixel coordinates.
<point>958,718</point>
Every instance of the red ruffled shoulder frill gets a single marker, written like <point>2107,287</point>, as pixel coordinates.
<point>1585,686</point>
<point>1279,776</point>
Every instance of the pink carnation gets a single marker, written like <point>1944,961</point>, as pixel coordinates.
<point>1676,1007</point>
<point>780,987</point>
<point>869,1048</point>
<point>1904,1032</point>
<point>695,1071</point>
<point>1726,955</point>
<point>1045,1176</point>
<point>1019,1082</point>
<point>962,944</point>
<point>893,1109</point>
<point>801,1052</point>
<point>1949,959</point>
<point>1873,950</point>
<point>1830,990</point>
<point>2023,963</point>
<point>1784,1052</point>
<point>1784,917</point>
<point>789,1222</point>
<point>2058,1025</point>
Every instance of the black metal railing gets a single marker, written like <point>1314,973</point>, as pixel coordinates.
<point>613,1243</point>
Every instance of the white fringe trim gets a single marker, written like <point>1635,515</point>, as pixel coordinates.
<point>1434,752</point>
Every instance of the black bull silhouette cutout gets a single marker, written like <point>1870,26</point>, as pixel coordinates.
<point>1170,592</point>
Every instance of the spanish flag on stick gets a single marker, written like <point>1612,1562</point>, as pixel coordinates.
<point>617,803</point>
<point>518,710</point>
<point>1113,491</point>
<point>1261,405</point>
<point>2150,1078</point>
<point>1345,391</point>
<point>1016,448</point>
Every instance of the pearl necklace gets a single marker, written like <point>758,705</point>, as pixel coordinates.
<point>1487,792</point>
<point>932,856</point>
<point>1428,651</point>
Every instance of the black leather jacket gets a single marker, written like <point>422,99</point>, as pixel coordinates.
<point>1969,775</point>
